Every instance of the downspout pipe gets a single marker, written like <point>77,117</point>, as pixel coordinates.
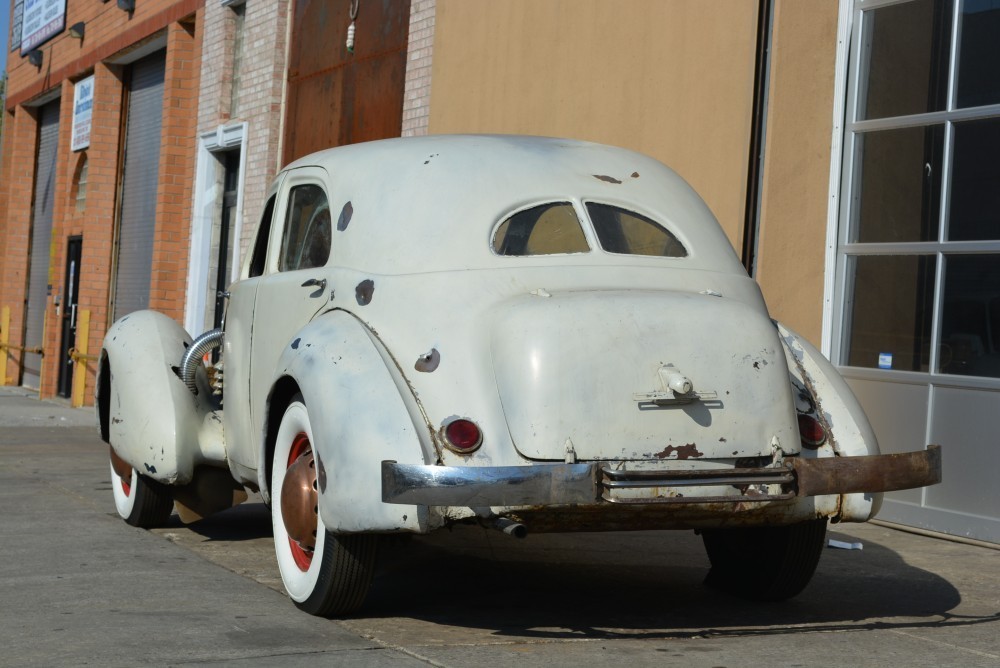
<point>205,343</point>
<point>758,129</point>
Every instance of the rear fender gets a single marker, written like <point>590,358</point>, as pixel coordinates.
<point>358,420</point>
<point>146,412</point>
<point>849,432</point>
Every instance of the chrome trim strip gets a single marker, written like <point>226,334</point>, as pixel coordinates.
<point>542,484</point>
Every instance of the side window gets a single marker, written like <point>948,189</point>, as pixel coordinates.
<point>629,233</point>
<point>548,229</point>
<point>305,243</point>
<point>259,259</point>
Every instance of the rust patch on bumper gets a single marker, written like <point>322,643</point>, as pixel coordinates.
<point>873,473</point>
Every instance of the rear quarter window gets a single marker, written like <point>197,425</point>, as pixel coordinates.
<point>547,229</point>
<point>629,233</point>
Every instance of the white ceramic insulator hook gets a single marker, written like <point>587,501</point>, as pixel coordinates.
<point>350,37</point>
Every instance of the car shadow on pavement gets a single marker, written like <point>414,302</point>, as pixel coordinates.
<point>640,585</point>
<point>630,585</point>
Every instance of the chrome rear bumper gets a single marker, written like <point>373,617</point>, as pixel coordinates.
<point>596,483</point>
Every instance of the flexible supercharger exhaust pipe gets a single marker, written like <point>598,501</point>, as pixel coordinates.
<point>205,343</point>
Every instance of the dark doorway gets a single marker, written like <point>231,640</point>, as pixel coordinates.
<point>230,187</point>
<point>71,288</point>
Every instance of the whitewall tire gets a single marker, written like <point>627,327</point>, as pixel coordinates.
<point>334,576</point>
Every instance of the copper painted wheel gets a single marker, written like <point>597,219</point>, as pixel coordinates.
<point>299,500</point>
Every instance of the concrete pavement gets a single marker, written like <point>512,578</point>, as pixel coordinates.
<point>80,587</point>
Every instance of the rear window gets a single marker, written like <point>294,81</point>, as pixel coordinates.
<point>548,229</point>
<point>629,233</point>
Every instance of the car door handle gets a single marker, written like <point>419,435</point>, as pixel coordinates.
<point>315,283</point>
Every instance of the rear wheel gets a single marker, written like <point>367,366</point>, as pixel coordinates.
<point>140,501</point>
<point>764,563</point>
<point>324,573</point>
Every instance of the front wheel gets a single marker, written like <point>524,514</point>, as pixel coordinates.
<point>140,501</point>
<point>324,573</point>
<point>764,563</point>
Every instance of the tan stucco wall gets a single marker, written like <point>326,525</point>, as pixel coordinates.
<point>792,238</point>
<point>670,78</point>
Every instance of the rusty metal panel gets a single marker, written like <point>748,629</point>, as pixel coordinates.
<point>875,473</point>
<point>336,97</point>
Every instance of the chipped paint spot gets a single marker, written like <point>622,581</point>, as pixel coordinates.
<point>607,179</point>
<point>295,344</point>
<point>363,293</point>
<point>345,217</point>
<point>688,451</point>
<point>150,469</point>
<point>428,362</point>
<point>722,440</point>
<point>635,175</point>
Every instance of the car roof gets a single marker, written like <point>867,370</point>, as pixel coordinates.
<point>431,203</point>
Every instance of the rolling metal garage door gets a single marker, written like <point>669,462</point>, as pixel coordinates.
<point>41,240</point>
<point>139,184</point>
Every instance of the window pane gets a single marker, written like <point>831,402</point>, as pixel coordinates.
<point>305,241</point>
<point>548,229</point>
<point>979,54</point>
<point>899,177</point>
<point>906,46</point>
<point>970,321</point>
<point>259,258</point>
<point>974,211</point>
<point>890,312</point>
<point>629,233</point>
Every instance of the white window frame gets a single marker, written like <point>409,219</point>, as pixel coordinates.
<point>840,249</point>
<point>208,194</point>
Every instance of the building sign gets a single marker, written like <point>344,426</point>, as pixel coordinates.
<point>15,26</point>
<point>40,21</point>
<point>83,108</point>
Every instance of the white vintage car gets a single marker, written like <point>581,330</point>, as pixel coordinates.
<point>538,335</point>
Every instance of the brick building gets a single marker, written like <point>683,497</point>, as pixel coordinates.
<point>94,219</point>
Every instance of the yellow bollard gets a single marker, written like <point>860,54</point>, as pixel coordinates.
<point>80,359</point>
<point>4,340</point>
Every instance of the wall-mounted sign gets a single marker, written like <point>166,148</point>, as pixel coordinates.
<point>83,108</point>
<point>15,26</point>
<point>40,21</point>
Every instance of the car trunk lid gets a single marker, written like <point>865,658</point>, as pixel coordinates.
<point>641,375</point>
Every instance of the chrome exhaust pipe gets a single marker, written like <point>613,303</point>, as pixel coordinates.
<point>509,527</point>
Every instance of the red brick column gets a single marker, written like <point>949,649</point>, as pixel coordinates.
<point>97,222</point>
<point>168,283</point>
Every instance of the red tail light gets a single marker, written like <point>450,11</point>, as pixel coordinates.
<point>462,436</point>
<point>811,431</point>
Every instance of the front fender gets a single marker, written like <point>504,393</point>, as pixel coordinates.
<point>850,433</point>
<point>146,412</point>
<point>358,420</point>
